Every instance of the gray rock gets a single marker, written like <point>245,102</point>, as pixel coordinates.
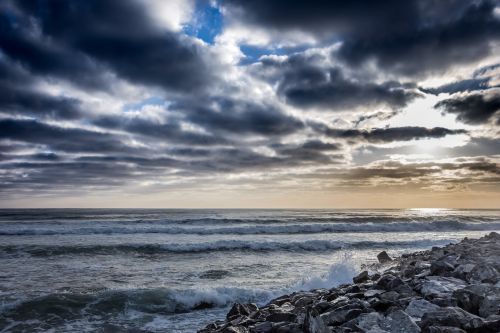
<point>480,299</point>
<point>383,257</point>
<point>276,317</point>
<point>435,286</point>
<point>361,277</point>
<point>239,309</point>
<point>399,322</point>
<point>483,273</point>
<point>263,327</point>
<point>444,329</point>
<point>289,328</point>
<point>337,317</point>
<point>313,323</point>
<point>451,316</point>
<point>418,307</point>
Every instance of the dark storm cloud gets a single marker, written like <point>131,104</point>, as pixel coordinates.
<point>305,84</point>
<point>168,132</point>
<point>79,40</point>
<point>239,117</point>
<point>31,103</point>
<point>73,140</point>
<point>459,86</point>
<point>408,37</point>
<point>392,134</point>
<point>476,108</point>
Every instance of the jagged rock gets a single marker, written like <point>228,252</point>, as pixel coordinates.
<point>461,271</point>
<point>435,286</point>
<point>337,317</point>
<point>239,309</point>
<point>263,327</point>
<point>389,282</point>
<point>361,277</point>
<point>399,321</point>
<point>235,329</point>
<point>444,329</point>
<point>418,307</point>
<point>383,257</point>
<point>281,316</point>
<point>451,316</point>
<point>442,267</point>
<point>480,299</point>
<point>313,323</point>
<point>289,328</point>
<point>483,273</point>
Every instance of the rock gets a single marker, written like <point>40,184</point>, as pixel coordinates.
<point>373,292</point>
<point>418,307</point>
<point>435,286</point>
<point>461,271</point>
<point>303,301</point>
<point>442,267</point>
<point>239,309</point>
<point>383,257</point>
<point>451,316</point>
<point>313,323</point>
<point>337,317</point>
<point>483,273</point>
<point>281,316</point>
<point>289,328</point>
<point>399,321</point>
<point>235,329</point>
<point>480,299</point>
<point>263,327</point>
<point>389,282</point>
<point>444,329</point>
<point>361,277</point>
<point>395,322</point>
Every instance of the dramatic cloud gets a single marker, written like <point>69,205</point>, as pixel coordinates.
<point>78,41</point>
<point>474,108</point>
<point>391,134</point>
<point>407,37</point>
<point>154,97</point>
<point>304,84</point>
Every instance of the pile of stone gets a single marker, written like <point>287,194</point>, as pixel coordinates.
<point>454,289</point>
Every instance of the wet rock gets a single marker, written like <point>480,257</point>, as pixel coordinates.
<point>289,328</point>
<point>451,316</point>
<point>281,316</point>
<point>399,321</point>
<point>483,273</point>
<point>442,267</point>
<point>480,299</point>
<point>435,286</point>
<point>340,316</point>
<point>383,257</point>
<point>361,277</point>
<point>418,307</point>
<point>313,323</point>
<point>444,329</point>
<point>263,327</point>
<point>239,309</point>
<point>389,282</point>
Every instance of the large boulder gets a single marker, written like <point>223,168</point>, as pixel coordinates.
<point>480,299</point>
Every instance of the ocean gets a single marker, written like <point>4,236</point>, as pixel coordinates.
<point>131,270</point>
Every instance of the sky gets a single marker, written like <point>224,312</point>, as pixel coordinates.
<point>250,103</point>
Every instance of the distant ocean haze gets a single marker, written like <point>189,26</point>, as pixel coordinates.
<point>176,270</point>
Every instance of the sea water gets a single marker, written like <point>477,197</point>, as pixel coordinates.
<point>116,270</point>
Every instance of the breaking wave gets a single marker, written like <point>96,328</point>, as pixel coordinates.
<point>222,245</point>
<point>446,225</point>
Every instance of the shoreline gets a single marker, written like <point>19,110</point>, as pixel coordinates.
<point>450,289</point>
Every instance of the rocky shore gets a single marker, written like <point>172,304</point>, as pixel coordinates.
<point>453,289</point>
